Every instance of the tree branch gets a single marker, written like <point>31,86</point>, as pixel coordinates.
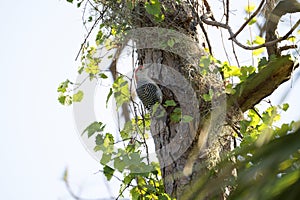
<point>90,31</point>
<point>262,84</point>
<point>227,11</point>
<point>268,43</point>
<point>250,18</point>
<point>282,8</point>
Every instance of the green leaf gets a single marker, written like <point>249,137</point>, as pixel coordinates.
<point>128,179</point>
<point>154,8</point>
<point>187,118</point>
<point>285,106</point>
<point>250,8</point>
<point>128,128</point>
<point>63,86</point>
<point>230,71</point>
<point>126,159</point>
<point>108,172</point>
<point>109,95</point>
<point>80,69</point>
<point>62,99</point>
<point>98,148</point>
<point>70,1</point>
<point>104,143</point>
<point>229,89</point>
<point>245,72</point>
<point>113,31</point>
<point>100,37</point>
<point>255,119</point>
<point>164,196</point>
<point>158,112</point>
<point>92,69</point>
<point>209,96</point>
<point>171,42</point>
<point>135,193</point>
<point>259,40</point>
<point>99,140</point>
<point>108,43</point>
<point>135,158</point>
<point>252,21</point>
<point>121,91</point>
<point>103,76</point>
<point>151,189</point>
<point>176,115</point>
<point>65,99</point>
<point>205,62</point>
<point>108,142</point>
<point>119,164</point>
<point>283,130</point>
<point>170,103</point>
<point>93,128</point>
<point>258,52</point>
<point>78,96</point>
<point>262,63</point>
<point>292,39</point>
<point>106,157</point>
<point>244,125</point>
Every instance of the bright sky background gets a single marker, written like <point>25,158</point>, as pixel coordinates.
<point>39,41</point>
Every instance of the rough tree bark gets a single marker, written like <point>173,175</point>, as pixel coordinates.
<point>203,151</point>
<point>198,144</point>
<point>184,169</point>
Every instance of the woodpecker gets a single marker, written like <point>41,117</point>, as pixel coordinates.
<point>147,90</point>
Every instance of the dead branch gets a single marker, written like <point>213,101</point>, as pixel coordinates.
<point>204,18</point>
<point>282,8</point>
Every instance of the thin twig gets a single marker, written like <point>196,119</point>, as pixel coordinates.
<point>79,84</point>
<point>287,47</point>
<point>208,9</point>
<point>90,31</point>
<point>235,56</point>
<point>201,24</point>
<point>83,15</point>
<point>219,24</point>
<point>257,113</point>
<point>112,175</point>
<point>121,193</point>
<point>227,12</point>
<point>235,129</point>
<point>250,18</point>
<point>86,37</point>
<point>76,196</point>
<point>224,46</point>
<point>94,6</point>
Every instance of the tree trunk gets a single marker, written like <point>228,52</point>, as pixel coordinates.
<point>185,149</point>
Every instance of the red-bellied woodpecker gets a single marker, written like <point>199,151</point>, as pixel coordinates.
<point>147,90</point>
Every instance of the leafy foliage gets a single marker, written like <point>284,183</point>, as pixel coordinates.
<point>266,159</point>
<point>142,176</point>
<point>121,91</point>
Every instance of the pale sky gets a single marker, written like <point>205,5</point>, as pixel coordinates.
<point>39,42</point>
